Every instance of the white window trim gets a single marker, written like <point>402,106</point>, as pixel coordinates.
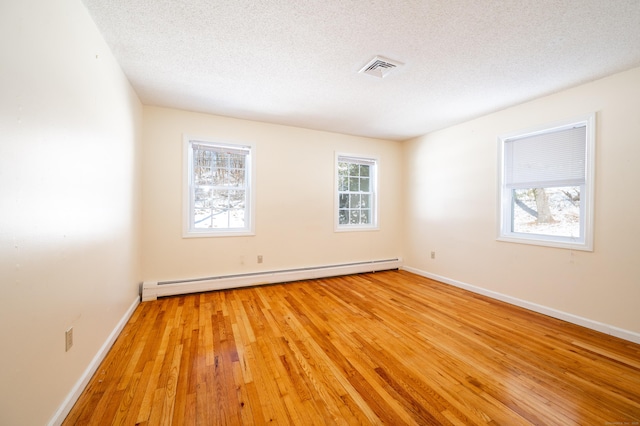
<point>374,182</point>
<point>187,176</point>
<point>587,204</point>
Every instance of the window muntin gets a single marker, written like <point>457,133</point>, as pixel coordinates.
<point>356,192</point>
<point>546,186</point>
<point>218,189</point>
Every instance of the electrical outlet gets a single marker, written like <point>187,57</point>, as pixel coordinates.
<point>433,254</point>
<point>259,258</point>
<point>68,339</point>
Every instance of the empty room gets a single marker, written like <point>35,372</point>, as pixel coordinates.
<point>312,213</point>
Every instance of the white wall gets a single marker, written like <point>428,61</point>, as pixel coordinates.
<point>451,208</point>
<point>294,205</point>
<point>69,202</point>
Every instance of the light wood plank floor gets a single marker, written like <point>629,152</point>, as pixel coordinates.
<point>385,348</point>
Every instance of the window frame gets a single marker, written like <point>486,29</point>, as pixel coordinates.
<point>374,172</point>
<point>188,231</point>
<point>505,200</point>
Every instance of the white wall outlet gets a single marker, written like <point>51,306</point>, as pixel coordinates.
<point>68,339</point>
<point>433,254</point>
<point>259,258</point>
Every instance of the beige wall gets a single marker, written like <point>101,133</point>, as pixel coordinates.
<point>451,208</point>
<point>69,210</point>
<point>294,199</point>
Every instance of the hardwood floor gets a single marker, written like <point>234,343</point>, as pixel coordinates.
<point>385,348</point>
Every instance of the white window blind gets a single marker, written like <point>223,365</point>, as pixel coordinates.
<point>203,146</point>
<point>356,160</point>
<point>555,158</point>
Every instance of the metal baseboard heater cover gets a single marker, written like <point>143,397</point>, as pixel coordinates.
<point>151,290</point>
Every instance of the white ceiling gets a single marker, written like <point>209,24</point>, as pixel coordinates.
<point>296,62</point>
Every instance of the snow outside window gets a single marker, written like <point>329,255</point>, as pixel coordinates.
<point>218,189</point>
<point>356,180</point>
<point>546,185</point>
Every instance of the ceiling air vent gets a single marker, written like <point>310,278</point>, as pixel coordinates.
<point>379,67</point>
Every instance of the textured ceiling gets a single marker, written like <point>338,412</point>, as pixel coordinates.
<point>297,62</point>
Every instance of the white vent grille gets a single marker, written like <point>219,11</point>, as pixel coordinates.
<point>379,67</point>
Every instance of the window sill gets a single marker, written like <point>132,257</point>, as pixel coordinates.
<point>218,234</point>
<point>357,229</point>
<point>538,241</point>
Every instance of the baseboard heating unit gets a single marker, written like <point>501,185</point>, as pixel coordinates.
<point>151,290</point>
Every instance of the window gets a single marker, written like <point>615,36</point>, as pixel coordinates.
<point>546,185</point>
<point>218,181</point>
<point>356,193</point>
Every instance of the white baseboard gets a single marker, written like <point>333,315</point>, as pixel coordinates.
<point>151,290</point>
<point>574,319</point>
<point>82,383</point>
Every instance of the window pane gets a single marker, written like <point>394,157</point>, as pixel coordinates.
<point>202,167</point>
<point>236,199</point>
<point>235,177</point>
<point>364,216</point>
<point>354,184</point>
<point>227,170</point>
<point>202,219</point>
<point>214,217</point>
<point>202,175</point>
<point>354,217</point>
<point>202,194</point>
<point>365,201</point>
<point>343,183</point>
<point>236,218</point>
<point>344,201</point>
<point>354,201</point>
<point>364,184</point>
<point>354,169</point>
<point>547,211</point>
<point>343,216</point>
<point>219,177</point>
<point>364,170</point>
<point>343,169</point>
<point>219,219</point>
<point>220,199</point>
<point>235,160</point>
<point>202,204</point>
